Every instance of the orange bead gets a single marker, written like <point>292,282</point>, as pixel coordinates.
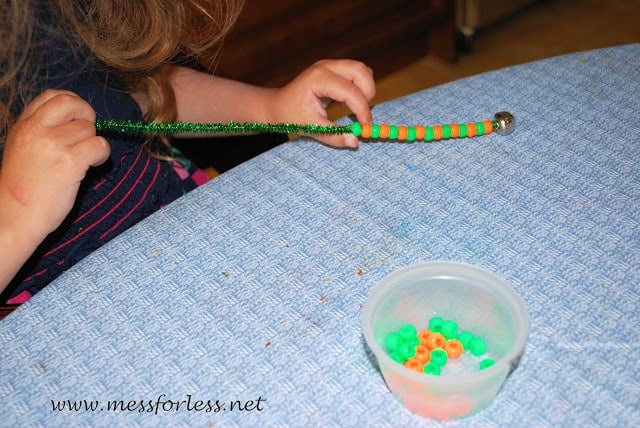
<point>488,126</point>
<point>436,340</point>
<point>384,131</point>
<point>366,130</point>
<point>423,336</point>
<point>414,364</point>
<point>453,348</point>
<point>420,130</point>
<point>422,353</point>
<point>455,130</point>
<point>471,129</point>
<point>402,132</point>
<point>437,132</point>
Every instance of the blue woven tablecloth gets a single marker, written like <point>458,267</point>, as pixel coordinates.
<point>251,287</point>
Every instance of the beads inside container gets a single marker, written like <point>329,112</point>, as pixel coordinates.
<point>430,350</point>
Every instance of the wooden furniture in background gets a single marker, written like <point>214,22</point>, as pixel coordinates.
<point>474,15</point>
<point>273,41</point>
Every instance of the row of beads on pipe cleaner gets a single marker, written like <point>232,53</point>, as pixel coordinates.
<point>503,123</point>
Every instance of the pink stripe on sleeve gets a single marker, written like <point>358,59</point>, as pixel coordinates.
<point>142,198</point>
<point>100,220</point>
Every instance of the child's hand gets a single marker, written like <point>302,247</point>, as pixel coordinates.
<point>47,153</point>
<point>305,99</point>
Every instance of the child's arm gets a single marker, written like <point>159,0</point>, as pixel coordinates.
<point>205,98</point>
<point>46,155</point>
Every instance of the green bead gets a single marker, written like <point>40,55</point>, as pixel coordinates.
<point>428,134</point>
<point>438,356</point>
<point>356,129</point>
<point>407,331</point>
<point>393,341</point>
<point>375,131</point>
<point>411,133</point>
<point>393,132</point>
<point>414,341</point>
<point>463,130</point>
<point>465,338</point>
<point>407,351</point>
<point>396,356</point>
<point>449,329</point>
<point>431,369</point>
<point>480,128</point>
<point>446,132</point>
<point>486,363</point>
<point>477,346</point>
<point>435,323</point>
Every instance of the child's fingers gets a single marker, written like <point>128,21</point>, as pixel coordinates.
<point>54,108</point>
<point>92,151</point>
<point>72,132</point>
<point>341,140</point>
<point>353,71</point>
<point>333,86</point>
<point>39,100</point>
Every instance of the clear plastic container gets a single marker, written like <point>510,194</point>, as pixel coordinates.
<point>479,301</point>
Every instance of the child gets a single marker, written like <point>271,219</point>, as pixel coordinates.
<point>65,191</point>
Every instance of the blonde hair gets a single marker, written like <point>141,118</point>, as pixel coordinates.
<point>133,39</point>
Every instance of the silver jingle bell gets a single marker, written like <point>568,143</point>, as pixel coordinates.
<point>506,122</point>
